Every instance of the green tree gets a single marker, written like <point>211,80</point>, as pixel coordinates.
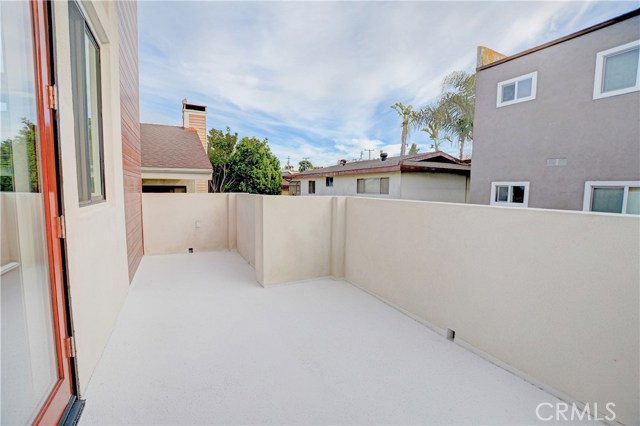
<point>408,116</point>
<point>25,141</point>
<point>254,169</point>
<point>6,166</point>
<point>220,148</point>
<point>414,149</point>
<point>304,165</point>
<point>432,120</point>
<point>458,96</point>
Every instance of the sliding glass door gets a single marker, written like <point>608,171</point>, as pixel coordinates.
<point>36,383</point>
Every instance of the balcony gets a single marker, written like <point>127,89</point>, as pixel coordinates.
<point>359,333</point>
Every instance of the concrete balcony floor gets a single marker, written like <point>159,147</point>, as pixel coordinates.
<point>198,341</point>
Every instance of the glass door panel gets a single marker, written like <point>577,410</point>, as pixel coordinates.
<point>28,346</point>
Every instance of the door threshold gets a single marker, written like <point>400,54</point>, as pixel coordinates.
<point>71,415</point>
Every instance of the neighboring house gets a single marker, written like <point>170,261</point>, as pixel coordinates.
<point>286,178</point>
<point>435,176</point>
<point>557,126</point>
<point>174,158</point>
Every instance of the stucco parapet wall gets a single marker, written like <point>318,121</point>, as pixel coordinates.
<point>552,295</point>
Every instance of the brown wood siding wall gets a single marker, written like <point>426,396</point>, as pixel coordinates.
<point>130,111</point>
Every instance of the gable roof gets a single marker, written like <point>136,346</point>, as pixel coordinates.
<point>430,162</point>
<point>172,147</point>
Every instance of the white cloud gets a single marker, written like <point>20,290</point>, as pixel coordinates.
<point>318,77</point>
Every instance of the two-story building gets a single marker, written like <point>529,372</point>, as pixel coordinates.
<point>557,126</point>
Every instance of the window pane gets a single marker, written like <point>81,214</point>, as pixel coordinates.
<point>524,88</point>
<point>93,116</point>
<point>85,76</point>
<point>19,146</point>
<point>607,200</point>
<point>294,188</point>
<point>360,186</point>
<point>508,92</point>
<point>372,186</point>
<point>517,195</point>
<point>384,185</point>
<point>633,201</point>
<point>620,70</point>
<point>502,194</point>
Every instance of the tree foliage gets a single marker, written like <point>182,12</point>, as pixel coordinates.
<point>450,117</point>
<point>221,147</point>
<point>23,146</point>
<point>288,166</point>
<point>459,95</point>
<point>414,149</point>
<point>304,165</point>
<point>407,114</point>
<point>246,165</point>
<point>254,169</point>
<point>431,120</point>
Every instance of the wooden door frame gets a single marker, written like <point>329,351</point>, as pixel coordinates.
<point>63,391</point>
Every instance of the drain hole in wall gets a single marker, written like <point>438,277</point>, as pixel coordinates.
<point>190,249</point>
<point>451,334</point>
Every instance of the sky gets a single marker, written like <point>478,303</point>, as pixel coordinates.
<point>318,78</point>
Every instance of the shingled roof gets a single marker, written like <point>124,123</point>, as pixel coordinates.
<point>429,162</point>
<point>172,147</point>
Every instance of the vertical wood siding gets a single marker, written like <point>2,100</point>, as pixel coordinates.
<point>130,117</point>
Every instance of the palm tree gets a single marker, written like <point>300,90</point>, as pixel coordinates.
<point>408,116</point>
<point>431,119</point>
<point>458,96</point>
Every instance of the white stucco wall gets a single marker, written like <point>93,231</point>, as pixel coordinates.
<point>552,294</point>
<point>348,185</point>
<point>407,186</point>
<point>443,187</point>
<point>173,223</point>
<point>300,248</point>
<point>245,206</point>
<point>95,234</point>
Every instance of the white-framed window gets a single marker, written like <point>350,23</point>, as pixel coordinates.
<point>87,108</point>
<point>514,194</point>
<point>373,186</point>
<point>294,187</point>
<point>612,197</point>
<point>312,187</point>
<point>617,71</point>
<point>518,89</point>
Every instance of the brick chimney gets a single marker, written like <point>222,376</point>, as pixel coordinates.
<point>195,117</point>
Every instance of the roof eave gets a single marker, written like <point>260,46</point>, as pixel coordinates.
<point>580,33</point>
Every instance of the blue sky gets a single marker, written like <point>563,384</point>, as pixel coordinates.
<point>318,78</point>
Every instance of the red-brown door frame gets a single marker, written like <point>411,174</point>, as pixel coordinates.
<point>60,396</point>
